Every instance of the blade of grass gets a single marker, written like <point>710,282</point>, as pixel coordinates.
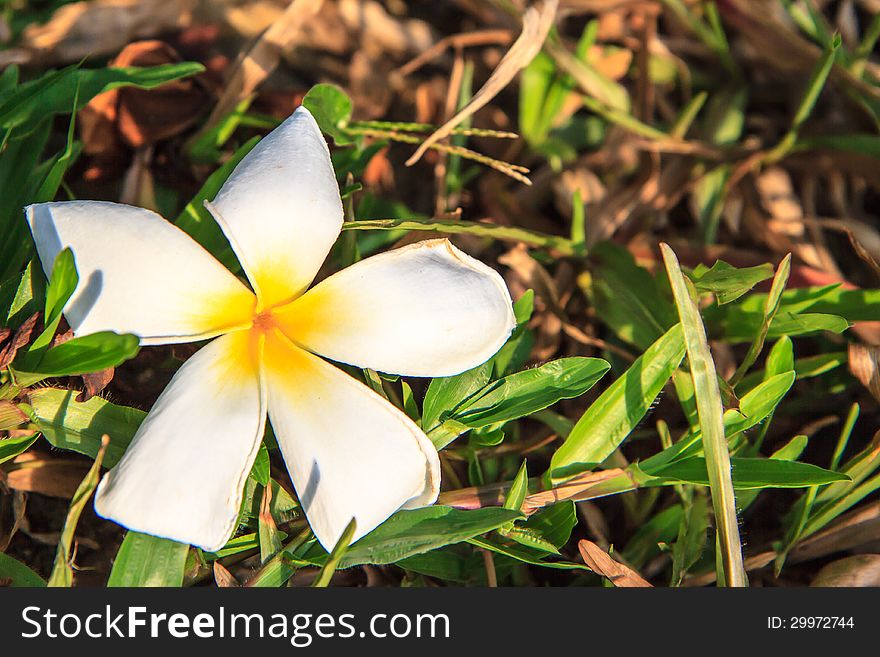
<point>508,233</point>
<point>710,409</point>
<point>771,306</point>
<point>339,550</point>
<point>62,572</point>
<point>817,82</point>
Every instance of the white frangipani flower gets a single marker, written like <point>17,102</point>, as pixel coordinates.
<point>422,310</point>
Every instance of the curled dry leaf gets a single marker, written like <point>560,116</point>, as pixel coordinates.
<point>601,563</point>
<point>55,477</point>
<point>858,570</point>
<point>94,383</point>
<point>138,117</point>
<point>863,363</point>
<point>536,27</point>
<point>223,577</point>
<point>19,339</point>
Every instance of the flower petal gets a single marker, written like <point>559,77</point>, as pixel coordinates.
<point>281,209</point>
<point>423,310</point>
<point>138,273</point>
<point>183,474</point>
<point>350,453</point>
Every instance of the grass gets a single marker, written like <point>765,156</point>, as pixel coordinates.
<point>695,410</point>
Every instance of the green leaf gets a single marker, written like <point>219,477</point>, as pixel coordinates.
<point>62,283</point>
<point>197,222</point>
<point>518,489</point>
<point>751,473</point>
<point>54,92</point>
<point>12,447</point>
<point>261,467</point>
<point>620,408</point>
<point>691,541</point>
<point>553,524</point>
<point>20,575</point>
<point>770,308</point>
<point>529,391</point>
<point>627,298</point>
<point>407,533</point>
<point>830,308</point>
<point>728,283</point>
<point>69,424</point>
<point>62,570</point>
<point>710,410</point>
<point>336,554</point>
<point>524,555</point>
<point>445,393</point>
<point>88,353</point>
<point>331,108</point>
<point>145,560</point>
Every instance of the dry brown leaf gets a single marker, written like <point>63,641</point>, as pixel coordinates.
<point>101,27</point>
<point>864,363</point>
<point>255,65</point>
<point>54,477</point>
<point>94,383</point>
<point>858,570</point>
<point>20,339</point>
<point>223,577</point>
<point>141,116</point>
<point>601,563</point>
<point>536,26</point>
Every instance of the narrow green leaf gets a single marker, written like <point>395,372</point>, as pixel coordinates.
<point>518,489</point>
<point>407,533</point>
<point>751,473</point>
<point>710,412</point>
<point>196,220</point>
<point>88,353</point>
<point>770,308</point>
<point>145,560</point>
<point>620,408</point>
<point>529,391</point>
<point>62,571</point>
<point>336,554</point>
<point>12,447</point>
<point>728,283</point>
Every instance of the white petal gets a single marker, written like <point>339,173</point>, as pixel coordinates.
<point>350,453</point>
<point>423,310</point>
<point>138,273</point>
<point>281,209</point>
<point>183,474</point>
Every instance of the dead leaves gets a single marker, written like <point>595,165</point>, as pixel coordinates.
<point>863,363</point>
<point>20,338</point>
<point>536,27</point>
<point>260,60</point>
<point>857,570</point>
<point>138,117</point>
<point>601,563</point>
<point>100,27</point>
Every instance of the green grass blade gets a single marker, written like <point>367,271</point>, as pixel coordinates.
<point>771,306</point>
<point>619,409</point>
<point>710,410</point>
<point>145,560</point>
<point>339,550</point>
<point>62,572</point>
